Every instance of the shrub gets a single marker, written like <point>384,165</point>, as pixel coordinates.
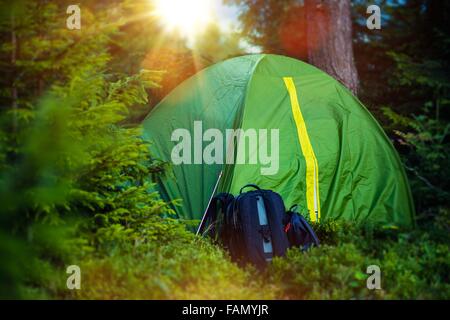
<point>189,269</point>
<point>326,272</point>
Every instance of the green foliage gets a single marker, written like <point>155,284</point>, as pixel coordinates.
<point>277,27</point>
<point>74,173</point>
<point>414,264</point>
<point>185,268</point>
<point>214,46</point>
<point>427,149</point>
<point>323,273</point>
<point>77,160</point>
<point>424,134</point>
<point>404,70</point>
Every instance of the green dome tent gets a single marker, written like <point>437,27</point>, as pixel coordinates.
<point>302,134</point>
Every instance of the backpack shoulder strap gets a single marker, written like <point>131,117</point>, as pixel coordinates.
<point>310,230</point>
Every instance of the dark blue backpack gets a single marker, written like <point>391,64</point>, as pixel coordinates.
<point>254,226</point>
<point>298,230</point>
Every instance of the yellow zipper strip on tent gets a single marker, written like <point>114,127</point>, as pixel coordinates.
<point>312,167</point>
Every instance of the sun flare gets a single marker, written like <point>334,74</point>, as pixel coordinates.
<point>188,17</point>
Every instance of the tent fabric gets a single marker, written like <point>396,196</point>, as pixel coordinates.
<point>335,161</point>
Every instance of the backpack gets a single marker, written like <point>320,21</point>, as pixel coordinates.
<point>254,226</point>
<point>298,230</point>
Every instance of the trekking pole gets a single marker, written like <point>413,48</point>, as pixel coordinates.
<point>200,227</point>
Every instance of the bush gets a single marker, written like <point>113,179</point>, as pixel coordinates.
<point>326,272</point>
<point>189,269</point>
<point>414,264</point>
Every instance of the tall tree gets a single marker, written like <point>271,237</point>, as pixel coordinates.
<point>329,39</point>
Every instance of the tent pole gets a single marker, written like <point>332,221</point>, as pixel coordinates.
<point>200,227</point>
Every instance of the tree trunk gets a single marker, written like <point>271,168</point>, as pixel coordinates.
<point>14,94</point>
<point>329,40</point>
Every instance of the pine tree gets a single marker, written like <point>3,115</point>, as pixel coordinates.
<point>76,176</point>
